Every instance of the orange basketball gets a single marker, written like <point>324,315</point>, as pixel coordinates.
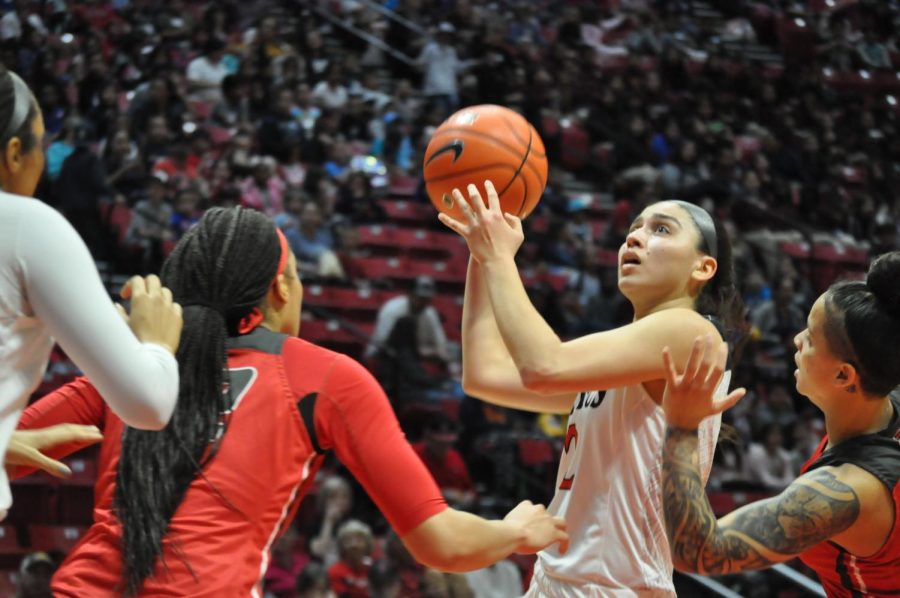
<point>481,143</point>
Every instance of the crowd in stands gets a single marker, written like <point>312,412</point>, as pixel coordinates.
<point>779,117</point>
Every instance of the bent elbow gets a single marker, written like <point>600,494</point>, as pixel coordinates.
<point>149,413</point>
<point>537,379</point>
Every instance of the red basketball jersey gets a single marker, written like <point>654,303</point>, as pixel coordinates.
<point>842,573</point>
<point>292,402</point>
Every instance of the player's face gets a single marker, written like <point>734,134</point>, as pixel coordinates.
<point>291,322</point>
<point>23,178</point>
<point>659,258</point>
<point>817,367</point>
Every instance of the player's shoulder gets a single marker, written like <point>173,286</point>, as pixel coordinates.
<point>315,358</point>
<point>680,322</point>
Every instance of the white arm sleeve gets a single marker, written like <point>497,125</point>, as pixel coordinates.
<point>138,380</point>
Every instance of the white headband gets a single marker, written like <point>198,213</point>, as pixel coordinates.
<point>21,107</point>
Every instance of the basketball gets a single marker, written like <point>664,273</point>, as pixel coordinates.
<point>481,143</point>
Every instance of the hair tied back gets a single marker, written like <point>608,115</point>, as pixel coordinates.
<point>883,280</point>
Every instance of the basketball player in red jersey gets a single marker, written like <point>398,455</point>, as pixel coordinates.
<point>194,510</point>
<point>841,515</point>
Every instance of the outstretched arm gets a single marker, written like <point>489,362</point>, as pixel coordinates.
<point>546,365</point>
<point>489,371</point>
<point>814,508</point>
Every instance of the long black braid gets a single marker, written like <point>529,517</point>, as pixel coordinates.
<point>221,269</point>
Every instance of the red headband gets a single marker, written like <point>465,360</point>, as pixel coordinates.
<point>249,322</point>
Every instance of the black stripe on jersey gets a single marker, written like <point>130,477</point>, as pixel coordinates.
<point>877,453</point>
<point>307,407</point>
<point>841,568</point>
<point>261,339</point>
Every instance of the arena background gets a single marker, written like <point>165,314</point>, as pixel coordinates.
<point>780,117</point>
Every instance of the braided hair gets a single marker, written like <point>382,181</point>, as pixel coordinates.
<point>221,269</point>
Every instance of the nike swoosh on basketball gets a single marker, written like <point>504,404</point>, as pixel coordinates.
<point>456,146</point>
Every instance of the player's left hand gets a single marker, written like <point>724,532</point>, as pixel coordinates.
<point>26,447</point>
<point>489,233</point>
<point>689,398</point>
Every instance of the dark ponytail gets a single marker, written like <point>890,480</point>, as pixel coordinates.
<point>219,272</point>
<point>10,93</point>
<point>862,324</point>
<point>719,297</point>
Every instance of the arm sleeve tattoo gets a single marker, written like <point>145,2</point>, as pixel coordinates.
<point>812,509</point>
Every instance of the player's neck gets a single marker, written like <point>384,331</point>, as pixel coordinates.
<point>644,310</point>
<point>864,417</point>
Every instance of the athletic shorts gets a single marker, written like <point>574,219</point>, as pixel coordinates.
<point>544,586</point>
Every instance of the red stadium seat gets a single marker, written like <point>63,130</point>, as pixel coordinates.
<point>9,541</point>
<point>408,213</point>
<point>536,451</point>
<point>377,237</point>
<point>380,268</point>
<point>55,537</point>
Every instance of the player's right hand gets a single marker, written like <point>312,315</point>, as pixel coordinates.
<point>26,447</point>
<point>155,317</point>
<point>541,529</point>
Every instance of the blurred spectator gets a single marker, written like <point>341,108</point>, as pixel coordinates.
<point>35,572</point>
<point>80,188</point>
<point>873,53</point>
<point>313,582</point>
<point>432,342</point>
<point>768,462</point>
<point>441,66</point>
<point>445,463</point>
<point>63,146</point>
<point>151,224</point>
<point>313,244</point>
<point>331,92</point>
<point>280,131</point>
<point>334,502</point>
<point>357,202</point>
<point>125,172</point>
<point>384,580</point>
<point>287,563</point>
<point>418,581</point>
<point>305,111</point>
<point>186,212</point>
<point>206,72</point>
<point>350,574</point>
<point>500,580</point>
<point>233,108</point>
<point>264,189</point>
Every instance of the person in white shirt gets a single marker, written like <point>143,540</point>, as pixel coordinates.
<point>441,66</point>
<point>430,331</point>
<point>205,73</point>
<point>50,290</point>
<point>331,92</point>
<point>675,269</point>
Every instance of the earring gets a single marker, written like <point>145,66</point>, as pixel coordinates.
<point>851,388</point>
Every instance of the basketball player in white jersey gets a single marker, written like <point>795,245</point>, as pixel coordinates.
<point>50,289</point>
<point>675,269</point>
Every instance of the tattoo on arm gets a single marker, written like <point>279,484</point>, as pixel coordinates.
<point>812,509</point>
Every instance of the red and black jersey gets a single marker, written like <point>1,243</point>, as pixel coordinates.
<point>292,402</point>
<point>842,573</point>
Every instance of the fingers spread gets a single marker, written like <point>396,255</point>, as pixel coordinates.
<point>493,198</point>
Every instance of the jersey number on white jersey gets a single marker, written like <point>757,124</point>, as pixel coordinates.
<point>571,438</point>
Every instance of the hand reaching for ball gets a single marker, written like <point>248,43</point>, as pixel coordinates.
<point>489,233</point>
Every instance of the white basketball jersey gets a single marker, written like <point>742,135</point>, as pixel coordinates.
<point>608,489</point>
<point>25,342</point>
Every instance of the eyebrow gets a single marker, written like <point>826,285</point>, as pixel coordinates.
<point>657,216</point>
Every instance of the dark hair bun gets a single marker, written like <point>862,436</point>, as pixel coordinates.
<point>883,280</point>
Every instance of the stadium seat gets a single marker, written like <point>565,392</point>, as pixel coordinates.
<point>55,537</point>
<point>377,237</point>
<point>536,451</point>
<point>408,213</point>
